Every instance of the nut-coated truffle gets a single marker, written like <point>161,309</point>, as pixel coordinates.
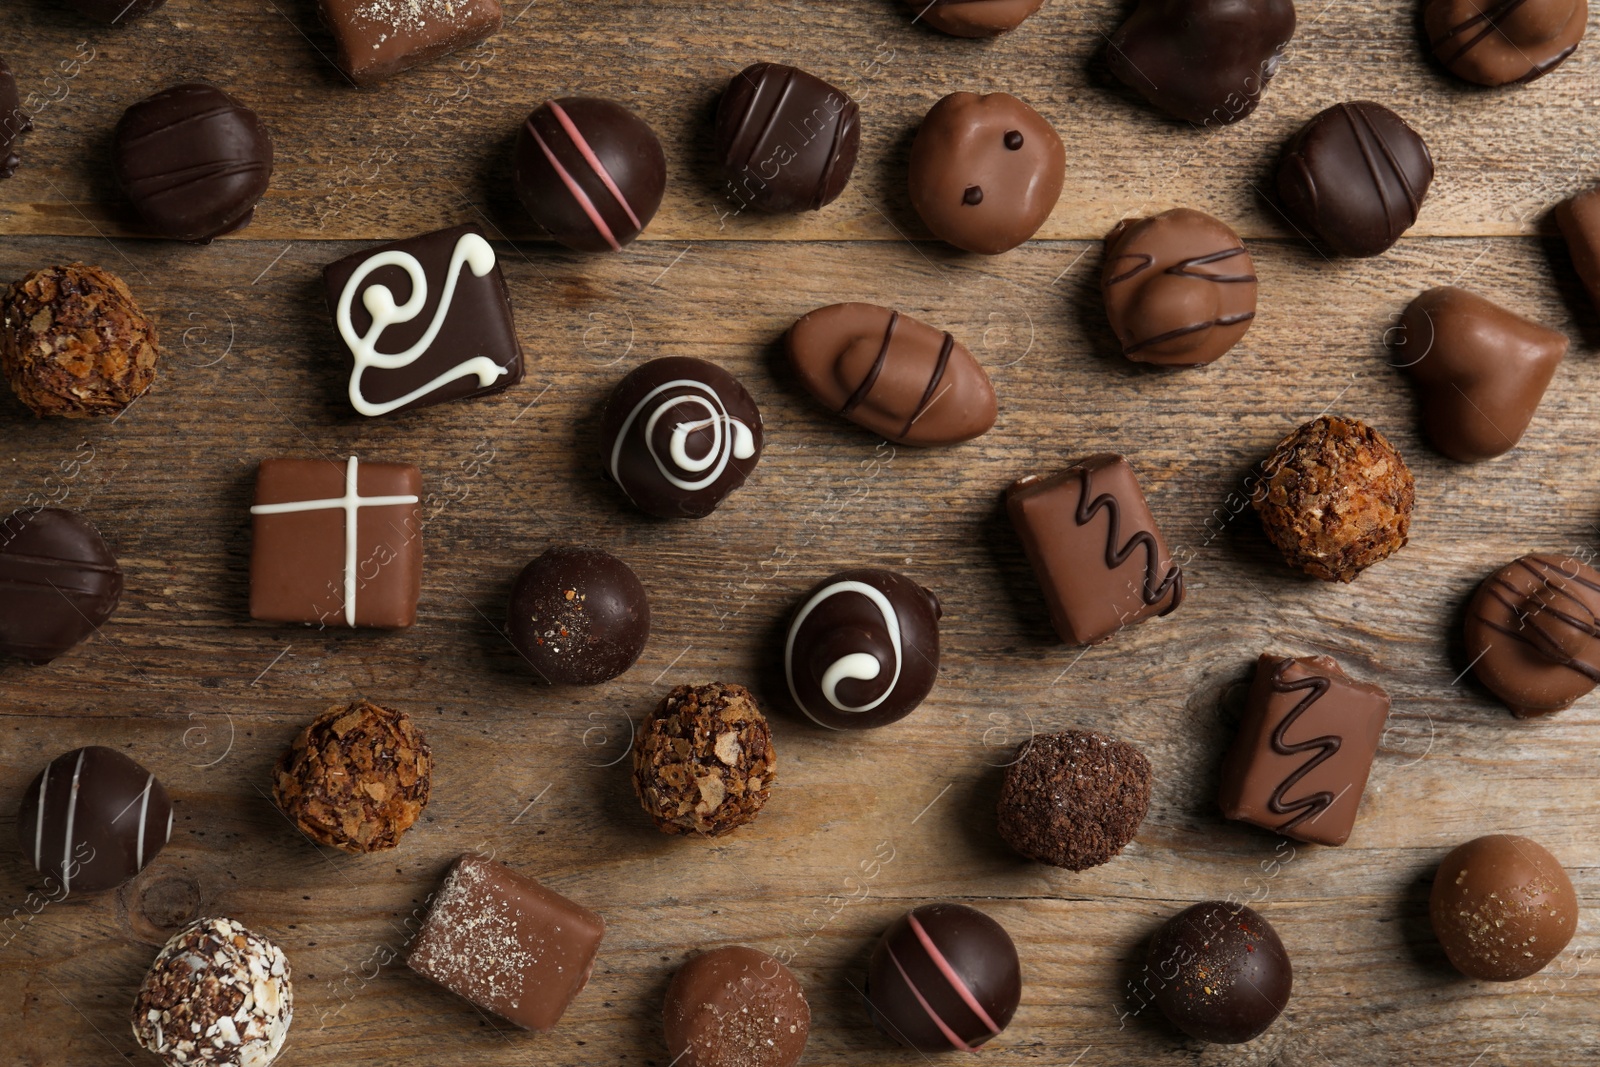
<point>704,763</point>
<point>1074,799</point>
<point>1502,907</point>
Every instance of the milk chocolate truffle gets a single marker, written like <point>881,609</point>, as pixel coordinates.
<point>1480,370</point>
<point>356,778</point>
<point>786,140</point>
<point>1202,61</point>
<point>1179,287</point>
<point>893,375</point>
<point>974,18</point>
<point>678,435</point>
<point>113,12</point>
<point>75,343</point>
<point>93,819</point>
<point>1504,41</point>
<point>1533,633</point>
<point>579,616</point>
<point>1335,498</point>
<point>1579,219</point>
<point>590,172</point>
<point>59,583</point>
<point>1224,975</point>
<point>862,649</point>
<point>943,977</point>
<point>736,1007</point>
<point>1074,799</point>
<point>216,995</point>
<point>1502,907</point>
<point>986,171</point>
<point>1355,177</point>
<point>703,763</point>
<point>13,122</point>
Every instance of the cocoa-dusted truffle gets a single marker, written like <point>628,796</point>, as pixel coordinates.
<point>1335,497</point>
<point>356,778</point>
<point>1074,799</point>
<point>75,344</point>
<point>704,762</point>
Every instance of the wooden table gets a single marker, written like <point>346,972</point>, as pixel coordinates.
<point>183,681</point>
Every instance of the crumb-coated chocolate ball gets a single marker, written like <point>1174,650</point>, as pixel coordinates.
<point>1219,972</point>
<point>74,342</point>
<point>579,616</point>
<point>703,763</point>
<point>944,977</point>
<point>356,778</point>
<point>1502,907</point>
<point>736,1007</point>
<point>1074,799</point>
<point>1335,497</point>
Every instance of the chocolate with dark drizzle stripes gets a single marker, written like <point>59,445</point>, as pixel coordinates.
<point>1309,807</point>
<point>1185,269</point>
<point>1117,554</point>
<point>929,394</point>
<point>1351,115</point>
<point>1530,632</point>
<point>1490,21</point>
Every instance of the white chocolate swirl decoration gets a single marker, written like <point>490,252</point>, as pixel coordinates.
<point>697,410</point>
<point>471,252</point>
<point>861,666</point>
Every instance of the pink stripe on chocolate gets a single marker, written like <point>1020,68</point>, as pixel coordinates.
<point>950,974</point>
<point>577,192</point>
<point>593,160</point>
<point>949,1034</point>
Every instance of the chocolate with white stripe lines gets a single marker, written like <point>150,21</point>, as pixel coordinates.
<point>59,582</point>
<point>786,140</point>
<point>944,976</point>
<point>92,820</point>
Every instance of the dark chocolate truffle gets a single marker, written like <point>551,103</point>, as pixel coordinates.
<point>1219,972</point>
<point>193,160</point>
<point>579,616</point>
<point>1504,41</point>
<point>1533,633</point>
<point>1335,497</point>
<point>1579,219</point>
<point>786,140</point>
<point>1074,799</point>
<point>974,18</point>
<point>114,11</point>
<point>590,172</point>
<point>703,763</point>
<point>93,819</point>
<point>863,649</point>
<point>986,171</point>
<point>944,976</point>
<point>1203,61</point>
<point>736,1007</point>
<point>678,435</point>
<point>1179,287</point>
<point>13,122</point>
<point>356,778</point>
<point>1502,907</point>
<point>75,343</point>
<point>1355,177</point>
<point>59,583</point>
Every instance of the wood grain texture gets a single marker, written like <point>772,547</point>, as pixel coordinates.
<point>184,682</point>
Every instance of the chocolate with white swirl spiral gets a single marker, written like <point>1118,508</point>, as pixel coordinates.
<point>678,435</point>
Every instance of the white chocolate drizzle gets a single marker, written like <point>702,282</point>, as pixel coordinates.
<point>730,438</point>
<point>861,666</point>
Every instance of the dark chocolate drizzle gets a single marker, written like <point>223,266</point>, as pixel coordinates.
<point>1488,19</point>
<point>1315,804</point>
<point>1535,628</point>
<point>877,367</point>
<point>1185,269</point>
<point>1116,555</point>
<point>1359,122</point>
<point>928,395</point>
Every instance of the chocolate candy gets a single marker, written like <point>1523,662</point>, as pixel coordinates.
<point>1503,41</point>
<point>506,943</point>
<point>1300,761</point>
<point>1335,498</point>
<point>1355,177</point>
<point>891,374</point>
<point>1502,907</point>
<point>1480,370</point>
<point>1533,633</point>
<point>13,123</point>
<point>786,140</point>
<point>579,616</point>
<point>678,435</point>
<point>425,320</point>
<point>1179,287</point>
<point>944,976</point>
<point>1579,219</point>
<point>216,995</point>
<point>736,1007</point>
<point>1073,799</point>
<point>986,171</point>
<point>1203,61</point>
<point>193,160</point>
<point>703,762</point>
<point>93,819</point>
<point>1224,975</point>
<point>75,343</point>
<point>862,649</point>
<point>335,546</point>
<point>974,18</point>
<point>114,11</point>
<point>590,172</point>
<point>1095,548</point>
<point>59,583</point>
<point>378,39</point>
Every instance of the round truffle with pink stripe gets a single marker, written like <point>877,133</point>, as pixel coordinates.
<point>944,976</point>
